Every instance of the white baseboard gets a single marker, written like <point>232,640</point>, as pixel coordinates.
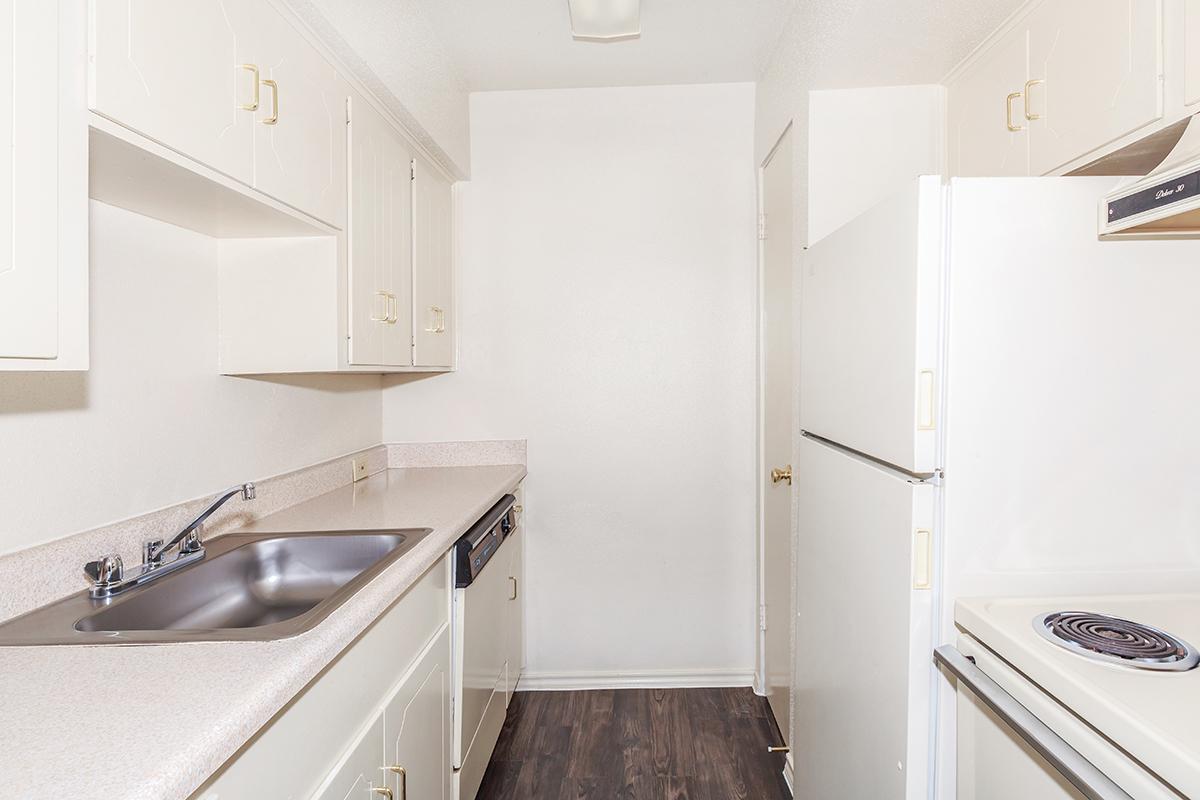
<point>789,773</point>
<point>647,679</point>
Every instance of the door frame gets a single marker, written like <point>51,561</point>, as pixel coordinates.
<point>762,476</point>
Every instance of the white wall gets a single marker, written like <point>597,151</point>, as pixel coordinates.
<point>865,144</point>
<point>607,304</point>
<point>152,423</point>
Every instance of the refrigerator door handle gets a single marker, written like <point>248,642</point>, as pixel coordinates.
<point>1083,774</point>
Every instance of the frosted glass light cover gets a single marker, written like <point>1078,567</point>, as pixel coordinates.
<point>605,20</point>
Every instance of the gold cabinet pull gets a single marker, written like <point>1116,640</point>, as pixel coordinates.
<point>274,118</point>
<point>387,307</point>
<point>513,596</point>
<point>403,773</point>
<point>383,791</point>
<point>438,320</point>
<point>779,749</point>
<point>1011,127</point>
<point>784,474</point>
<point>1029,98</point>
<point>253,104</point>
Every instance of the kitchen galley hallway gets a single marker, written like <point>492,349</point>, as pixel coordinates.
<point>636,744</point>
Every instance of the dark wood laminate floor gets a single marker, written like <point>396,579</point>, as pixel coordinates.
<point>636,744</point>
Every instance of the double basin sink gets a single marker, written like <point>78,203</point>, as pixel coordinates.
<point>248,587</point>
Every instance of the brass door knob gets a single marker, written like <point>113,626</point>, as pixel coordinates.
<point>784,474</point>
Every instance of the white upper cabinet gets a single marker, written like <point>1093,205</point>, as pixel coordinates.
<point>433,286</point>
<point>172,71</point>
<point>1191,25</point>
<point>1067,83</point>
<point>229,84</point>
<point>43,187</point>
<point>380,257</point>
<point>988,133</point>
<point>299,136</point>
<point>1095,66</point>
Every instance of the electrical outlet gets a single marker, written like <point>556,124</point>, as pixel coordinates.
<point>360,468</point>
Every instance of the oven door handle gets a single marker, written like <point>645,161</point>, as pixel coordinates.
<point>1083,774</point>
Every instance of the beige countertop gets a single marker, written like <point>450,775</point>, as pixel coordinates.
<point>155,721</point>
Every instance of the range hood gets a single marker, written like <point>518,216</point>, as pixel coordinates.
<point>1165,203</point>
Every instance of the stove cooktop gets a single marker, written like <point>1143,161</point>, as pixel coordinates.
<point>1114,640</point>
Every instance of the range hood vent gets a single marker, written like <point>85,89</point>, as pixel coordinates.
<point>1165,204</point>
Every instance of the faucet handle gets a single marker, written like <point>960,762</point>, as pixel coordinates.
<point>106,570</point>
<point>191,542</point>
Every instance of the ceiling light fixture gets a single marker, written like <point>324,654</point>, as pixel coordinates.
<point>605,20</point>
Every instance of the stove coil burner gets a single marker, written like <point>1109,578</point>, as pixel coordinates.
<point>1117,641</point>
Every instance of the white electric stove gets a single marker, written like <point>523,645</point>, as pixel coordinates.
<point>1077,697</point>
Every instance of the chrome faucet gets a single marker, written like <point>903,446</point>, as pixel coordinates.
<point>108,572</point>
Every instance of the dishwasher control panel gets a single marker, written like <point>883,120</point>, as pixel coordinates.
<point>477,546</point>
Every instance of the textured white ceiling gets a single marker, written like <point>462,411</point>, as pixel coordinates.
<point>527,44</point>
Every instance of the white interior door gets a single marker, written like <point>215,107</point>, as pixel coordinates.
<point>170,70</point>
<point>861,629</point>
<point>869,301</point>
<point>1100,61</point>
<point>777,406</point>
<point>29,183</point>
<point>983,112</point>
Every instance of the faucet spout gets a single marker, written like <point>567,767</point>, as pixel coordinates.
<point>154,553</point>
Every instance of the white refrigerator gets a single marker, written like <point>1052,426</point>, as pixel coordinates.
<point>993,402</point>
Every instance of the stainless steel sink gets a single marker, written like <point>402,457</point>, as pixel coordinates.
<point>248,587</point>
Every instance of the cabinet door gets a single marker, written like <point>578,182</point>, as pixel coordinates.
<point>433,337</point>
<point>982,115</point>
<point>170,70</point>
<point>29,183</point>
<point>1100,61</point>
<point>380,241</point>
<point>1191,26</point>
<point>515,612</point>
<point>361,771</point>
<point>418,728</point>
<point>300,126</point>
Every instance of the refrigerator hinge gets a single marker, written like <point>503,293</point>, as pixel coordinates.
<point>933,479</point>
<point>762,617</point>
<point>762,227</point>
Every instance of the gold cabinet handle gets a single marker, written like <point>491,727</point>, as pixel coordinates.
<point>274,118</point>
<point>1029,97</point>
<point>253,104</point>
<point>779,749</point>
<point>1009,104</point>
<point>387,307</point>
<point>403,773</point>
<point>513,596</point>
<point>383,791</point>
<point>438,323</point>
<point>784,474</point>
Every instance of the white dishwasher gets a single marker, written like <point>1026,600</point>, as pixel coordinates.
<point>479,628</point>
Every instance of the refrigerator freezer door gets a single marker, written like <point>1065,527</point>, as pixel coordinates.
<point>863,641</point>
<point>870,304</point>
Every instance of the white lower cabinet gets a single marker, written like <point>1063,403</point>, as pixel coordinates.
<point>417,729</point>
<point>384,703</point>
<point>360,774</point>
<point>514,612</point>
